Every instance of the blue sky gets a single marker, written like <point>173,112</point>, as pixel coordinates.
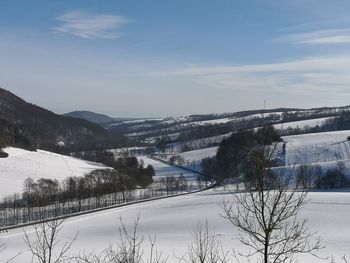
<point>170,58</point>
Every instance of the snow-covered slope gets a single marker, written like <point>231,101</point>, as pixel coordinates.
<point>324,149</point>
<point>22,164</point>
<point>193,159</point>
<point>317,147</point>
<point>302,124</point>
<point>172,221</point>
<point>198,155</point>
<point>163,170</point>
<point>214,121</point>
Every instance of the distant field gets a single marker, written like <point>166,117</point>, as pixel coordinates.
<point>302,124</point>
<point>324,149</point>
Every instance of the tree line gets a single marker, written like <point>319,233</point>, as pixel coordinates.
<point>127,180</point>
<point>48,197</point>
<point>313,176</point>
<point>235,156</point>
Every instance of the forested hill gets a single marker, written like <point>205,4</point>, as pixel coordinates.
<point>29,126</point>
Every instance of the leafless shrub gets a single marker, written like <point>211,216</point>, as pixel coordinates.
<point>205,247</point>
<point>46,246</point>
<point>127,250</point>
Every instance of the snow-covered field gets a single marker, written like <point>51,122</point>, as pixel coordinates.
<point>22,164</point>
<point>302,124</point>
<point>193,159</point>
<point>198,143</point>
<point>322,148</point>
<point>259,115</point>
<point>198,155</point>
<point>172,221</point>
<point>212,122</point>
<point>163,170</point>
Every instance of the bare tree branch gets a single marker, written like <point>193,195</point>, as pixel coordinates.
<point>266,216</point>
<point>46,245</point>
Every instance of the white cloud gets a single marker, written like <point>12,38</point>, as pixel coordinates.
<point>308,76</point>
<point>305,64</point>
<point>87,25</point>
<point>319,37</point>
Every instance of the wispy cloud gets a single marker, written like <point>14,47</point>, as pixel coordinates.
<point>308,76</point>
<point>88,25</point>
<point>319,37</point>
<point>306,64</point>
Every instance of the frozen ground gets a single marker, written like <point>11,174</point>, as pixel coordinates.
<point>22,164</point>
<point>172,220</point>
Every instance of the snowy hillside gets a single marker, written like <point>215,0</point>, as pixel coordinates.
<point>22,164</point>
<point>198,155</point>
<point>172,221</point>
<point>163,170</point>
<point>317,148</point>
<point>193,159</point>
<point>179,129</point>
<point>324,149</point>
<point>302,124</point>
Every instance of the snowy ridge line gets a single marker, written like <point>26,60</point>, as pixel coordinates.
<point>175,165</point>
<point>96,210</point>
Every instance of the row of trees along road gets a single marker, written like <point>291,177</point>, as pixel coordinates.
<point>46,198</point>
<point>127,173</point>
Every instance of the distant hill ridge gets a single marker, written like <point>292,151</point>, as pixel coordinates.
<point>27,125</point>
<point>90,116</point>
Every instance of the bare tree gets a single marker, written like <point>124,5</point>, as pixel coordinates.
<point>127,250</point>
<point>344,259</point>
<point>205,247</point>
<point>305,174</point>
<point>169,183</point>
<point>46,246</point>
<point>267,215</point>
